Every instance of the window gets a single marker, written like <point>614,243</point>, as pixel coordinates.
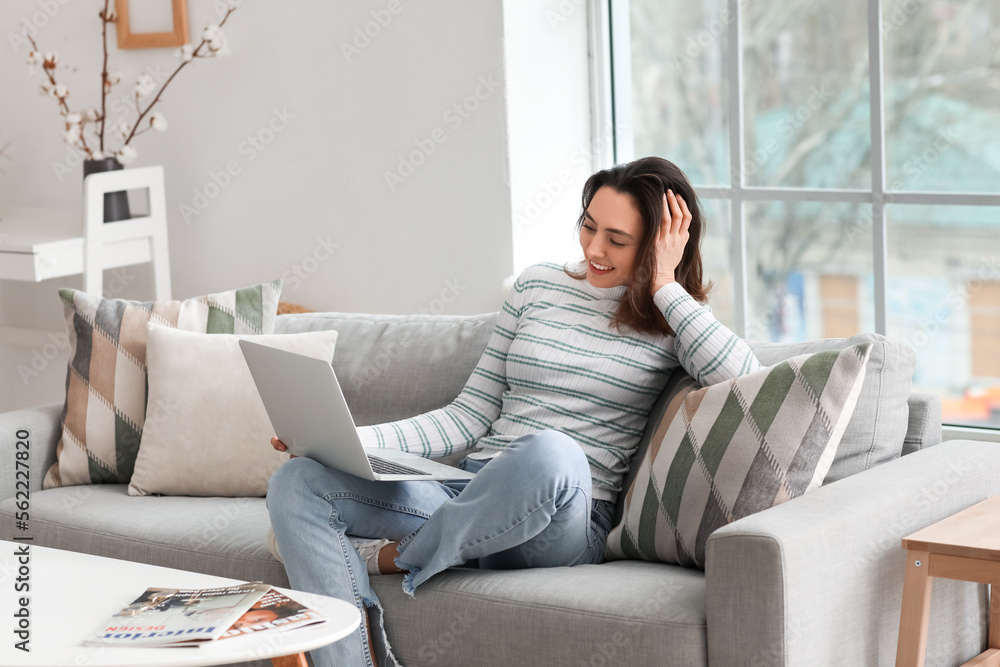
<point>848,161</point>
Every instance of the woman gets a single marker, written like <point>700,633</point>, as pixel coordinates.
<point>553,411</point>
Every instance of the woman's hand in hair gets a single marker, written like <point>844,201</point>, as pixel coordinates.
<point>671,239</point>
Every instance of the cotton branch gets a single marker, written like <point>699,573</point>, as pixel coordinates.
<point>106,18</point>
<point>213,43</point>
<point>49,67</point>
<point>195,54</point>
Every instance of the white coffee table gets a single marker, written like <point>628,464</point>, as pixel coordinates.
<point>72,594</point>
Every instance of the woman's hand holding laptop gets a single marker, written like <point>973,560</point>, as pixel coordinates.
<point>280,446</point>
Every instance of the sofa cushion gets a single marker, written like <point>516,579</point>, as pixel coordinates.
<point>207,432</point>
<point>878,426</point>
<point>626,612</point>
<point>226,537</point>
<point>876,430</point>
<point>924,427</point>
<point>736,448</point>
<point>620,613</point>
<point>106,377</point>
<point>393,366</point>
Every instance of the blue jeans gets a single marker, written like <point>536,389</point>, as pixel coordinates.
<point>529,506</point>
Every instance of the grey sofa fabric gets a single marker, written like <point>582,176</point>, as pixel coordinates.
<point>818,580</point>
<point>621,613</point>
<point>924,427</point>
<point>875,433</point>
<point>225,537</point>
<point>43,428</point>
<point>757,595</point>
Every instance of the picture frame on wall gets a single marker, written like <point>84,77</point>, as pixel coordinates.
<point>177,36</point>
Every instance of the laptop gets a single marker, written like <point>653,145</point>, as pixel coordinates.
<point>308,412</point>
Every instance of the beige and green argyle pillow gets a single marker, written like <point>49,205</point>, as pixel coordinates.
<point>106,383</point>
<point>726,451</point>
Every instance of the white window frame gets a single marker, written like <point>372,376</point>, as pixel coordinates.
<point>614,109</point>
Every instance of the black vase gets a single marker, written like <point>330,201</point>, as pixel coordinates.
<point>115,203</point>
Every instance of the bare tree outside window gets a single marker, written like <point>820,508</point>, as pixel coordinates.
<point>807,124</point>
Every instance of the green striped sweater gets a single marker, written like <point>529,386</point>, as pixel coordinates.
<point>553,362</point>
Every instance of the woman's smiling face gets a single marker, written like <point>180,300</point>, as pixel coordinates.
<point>610,235</point>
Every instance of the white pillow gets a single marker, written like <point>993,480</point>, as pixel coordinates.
<point>206,430</point>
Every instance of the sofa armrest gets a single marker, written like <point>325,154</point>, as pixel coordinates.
<point>42,424</point>
<point>818,580</point>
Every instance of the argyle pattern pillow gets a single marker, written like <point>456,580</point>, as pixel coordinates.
<point>729,450</point>
<point>106,385</point>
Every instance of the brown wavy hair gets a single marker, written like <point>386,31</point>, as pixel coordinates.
<point>645,181</point>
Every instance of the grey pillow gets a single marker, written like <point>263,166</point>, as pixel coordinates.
<point>877,429</point>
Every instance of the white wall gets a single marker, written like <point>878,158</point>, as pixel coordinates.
<point>441,240</point>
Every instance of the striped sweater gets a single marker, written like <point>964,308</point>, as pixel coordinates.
<point>553,362</point>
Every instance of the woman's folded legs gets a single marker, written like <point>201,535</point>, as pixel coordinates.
<point>314,508</point>
<point>529,506</point>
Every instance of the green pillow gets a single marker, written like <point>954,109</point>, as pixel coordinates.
<point>106,382</point>
<point>726,451</point>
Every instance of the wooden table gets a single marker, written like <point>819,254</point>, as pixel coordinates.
<point>965,546</point>
<point>72,594</point>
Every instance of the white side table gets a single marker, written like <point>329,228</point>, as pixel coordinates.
<point>40,244</point>
<point>71,594</point>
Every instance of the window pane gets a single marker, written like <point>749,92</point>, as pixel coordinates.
<point>805,94</point>
<point>810,270</point>
<point>678,86</point>
<point>944,301</point>
<point>942,92</point>
<point>716,255</point>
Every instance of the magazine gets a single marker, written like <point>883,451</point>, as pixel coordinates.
<point>178,617</point>
<point>273,612</point>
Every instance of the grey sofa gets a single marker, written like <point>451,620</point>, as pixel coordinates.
<point>816,581</point>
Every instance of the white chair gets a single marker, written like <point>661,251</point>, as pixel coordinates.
<point>134,241</point>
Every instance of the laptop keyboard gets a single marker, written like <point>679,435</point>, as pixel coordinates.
<point>383,467</point>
